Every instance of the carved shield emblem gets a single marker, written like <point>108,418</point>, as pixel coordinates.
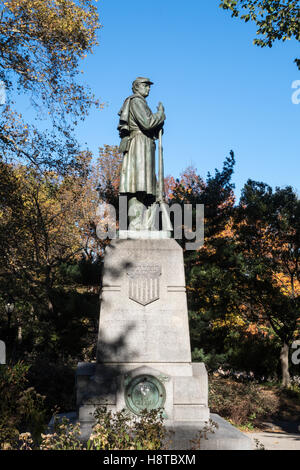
<point>144,284</point>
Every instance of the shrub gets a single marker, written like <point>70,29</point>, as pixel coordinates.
<point>21,408</point>
<point>211,359</point>
<point>123,431</point>
<point>241,403</point>
<point>66,436</point>
<point>56,381</point>
<point>112,431</point>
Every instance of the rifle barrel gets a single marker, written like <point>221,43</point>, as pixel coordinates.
<point>161,167</point>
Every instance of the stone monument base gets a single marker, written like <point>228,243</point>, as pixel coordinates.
<point>226,436</point>
<point>143,350</point>
<point>182,388</point>
<point>186,401</point>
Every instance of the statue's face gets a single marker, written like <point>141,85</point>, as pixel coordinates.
<point>143,89</point>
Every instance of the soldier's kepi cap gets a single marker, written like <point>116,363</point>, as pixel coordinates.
<point>143,80</point>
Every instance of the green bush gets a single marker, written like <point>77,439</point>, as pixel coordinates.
<point>112,431</point>
<point>212,360</point>
<point>123,431</point>
<point>256,353</point>
<point>66,436</point>
<point>239,351</point>
<point>56,381</point>
<point>21,407</point>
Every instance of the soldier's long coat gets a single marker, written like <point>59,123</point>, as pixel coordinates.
<point>138,129</point>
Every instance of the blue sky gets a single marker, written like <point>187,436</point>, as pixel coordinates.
<point>220,92</point>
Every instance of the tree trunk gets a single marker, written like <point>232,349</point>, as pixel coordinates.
<point>284,358</point>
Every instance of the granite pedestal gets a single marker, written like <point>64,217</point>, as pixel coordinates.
<point>143,351</point>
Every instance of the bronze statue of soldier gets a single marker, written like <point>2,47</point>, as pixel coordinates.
<point>138,129</point>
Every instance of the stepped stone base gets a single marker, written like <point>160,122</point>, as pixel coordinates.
<point>185,395</point>
<point>182,434</point>
<point>143,349</point>
<point>188,416</point>
<point>225,437</point>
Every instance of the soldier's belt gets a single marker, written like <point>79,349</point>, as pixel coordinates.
<point>134,133</point>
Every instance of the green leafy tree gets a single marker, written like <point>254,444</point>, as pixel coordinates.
<point>211,270</point>
<point>216,274</point>
<point>275,19</point>
<point>42,44</point>
<point>46,224</point>
<point>267,231</point>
